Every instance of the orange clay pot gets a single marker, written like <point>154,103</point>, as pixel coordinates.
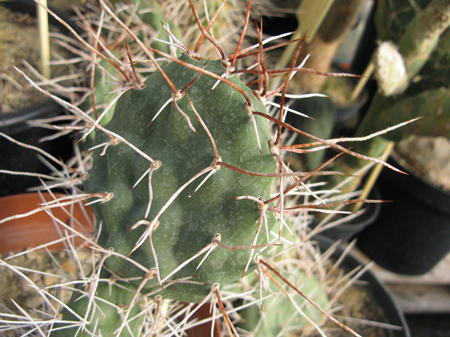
<point>40,228</point>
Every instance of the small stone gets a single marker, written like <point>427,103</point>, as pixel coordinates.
<point>33,302</point>
<point>49,280</point>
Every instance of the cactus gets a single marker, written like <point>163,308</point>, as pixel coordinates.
<point>186,179</point>
<point>417,35</point>
<point>189,223</point>
<point>423,48</point>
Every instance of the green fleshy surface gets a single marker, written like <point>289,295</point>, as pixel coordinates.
<point>191,222</point>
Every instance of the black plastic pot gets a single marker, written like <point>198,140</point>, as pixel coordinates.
<point>412,233</point>
<point>347,117</point>
<point>375,287</point>
<point>19,159</point>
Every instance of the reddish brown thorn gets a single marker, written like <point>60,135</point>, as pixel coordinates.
<point>247,52</point>
<point>204,32</point>
<point>264,79</point>
<point>244,30</point>
<point>169,82</point>
<point>257,174</point>
<point>299,146</point>
<point>298,182</point>
<point>326,142</point>
<point>193,80</point>
<point>80,39</point>
<point>197,47</point>
<point>178,95</point>
<point>277,72</point>
<point>210,74</point>
<point>249,84</point>
<point>228,323</point>
<point>118,68</point>
<point>91,48</point>
<point>144,48</point>
<point>135,76</point>
<point>283,91</point>
<point>276,91</point>
<point>291,148</point>
<point>261,279</point>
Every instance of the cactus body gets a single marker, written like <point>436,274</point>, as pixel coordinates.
<point>191,221</point>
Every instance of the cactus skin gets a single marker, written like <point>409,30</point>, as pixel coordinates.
<point>190,223</point>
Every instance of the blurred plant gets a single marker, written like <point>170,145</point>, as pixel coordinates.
<point>411,65</point>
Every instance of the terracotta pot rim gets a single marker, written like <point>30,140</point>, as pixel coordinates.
<point>40,228</point>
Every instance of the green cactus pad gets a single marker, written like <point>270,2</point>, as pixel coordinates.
<point>192,220</point>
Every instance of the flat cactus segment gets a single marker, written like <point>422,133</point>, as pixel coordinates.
<point>192,220</point>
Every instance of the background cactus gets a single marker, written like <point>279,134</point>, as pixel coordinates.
<point>419,34</point>
<point>281,316</point>
<point>181,179</point>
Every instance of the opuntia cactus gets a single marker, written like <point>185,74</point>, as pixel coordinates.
<point>183,220</point>
<point>187,181</point>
